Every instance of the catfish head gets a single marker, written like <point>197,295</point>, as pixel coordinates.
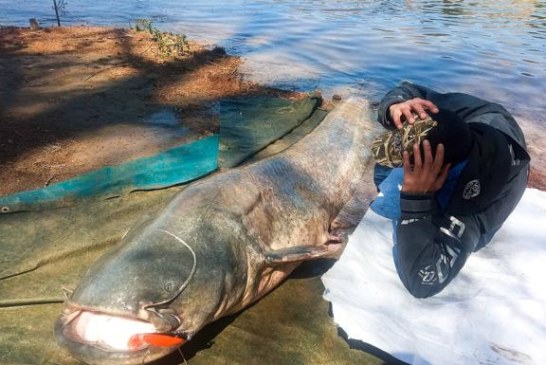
<point>152,293</point>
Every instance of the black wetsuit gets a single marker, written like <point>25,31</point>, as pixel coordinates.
<point>434,242</point>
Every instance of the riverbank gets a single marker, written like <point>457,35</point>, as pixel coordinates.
<point>75,99</point>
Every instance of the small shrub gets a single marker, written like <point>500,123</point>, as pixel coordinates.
<point>143,24</point>
<point>169,44</point>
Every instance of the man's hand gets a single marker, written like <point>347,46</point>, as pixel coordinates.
<point>428,175</point>
<point>408,108</point>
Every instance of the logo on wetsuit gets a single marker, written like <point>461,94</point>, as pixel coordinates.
<point>472,189</point>
<point>440,271</point>
<point>427,275</point>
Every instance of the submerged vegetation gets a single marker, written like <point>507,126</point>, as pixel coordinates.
<point>169,44</point>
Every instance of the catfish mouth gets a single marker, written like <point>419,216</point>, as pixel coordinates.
<point>101,338</point>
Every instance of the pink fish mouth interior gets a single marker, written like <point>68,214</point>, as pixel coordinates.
<point>115,333</point>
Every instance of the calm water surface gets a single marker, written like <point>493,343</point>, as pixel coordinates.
<point>492,48</point>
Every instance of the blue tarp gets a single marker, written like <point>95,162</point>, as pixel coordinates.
<point>174,166</point>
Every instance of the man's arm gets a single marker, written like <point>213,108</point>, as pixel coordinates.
<point>431,248</point>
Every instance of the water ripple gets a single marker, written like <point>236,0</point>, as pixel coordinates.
<point>493,48</point>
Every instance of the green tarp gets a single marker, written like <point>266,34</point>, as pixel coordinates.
<point>248,125</point>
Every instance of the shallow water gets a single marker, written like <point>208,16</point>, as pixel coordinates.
<point>493,49</point>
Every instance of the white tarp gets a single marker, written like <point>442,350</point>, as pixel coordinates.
<point>493,312</point>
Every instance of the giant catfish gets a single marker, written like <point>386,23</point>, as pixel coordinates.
<point>222,243</point>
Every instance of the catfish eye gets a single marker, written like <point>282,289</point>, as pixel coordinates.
<point>169,286</point>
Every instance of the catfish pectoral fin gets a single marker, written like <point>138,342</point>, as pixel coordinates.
<point>353,211</point>
<point>302,253</point>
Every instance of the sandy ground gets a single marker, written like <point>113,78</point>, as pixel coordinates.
<point>74,99</point>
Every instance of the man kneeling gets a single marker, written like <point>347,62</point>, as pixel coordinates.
<point>465,168</point>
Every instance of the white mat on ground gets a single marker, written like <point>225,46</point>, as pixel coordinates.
<point>493,312</point>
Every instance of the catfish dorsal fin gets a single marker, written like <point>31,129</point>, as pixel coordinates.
<point>298,254</point>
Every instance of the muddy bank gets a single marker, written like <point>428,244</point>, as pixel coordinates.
<point>75,99</point>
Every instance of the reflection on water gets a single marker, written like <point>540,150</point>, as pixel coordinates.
<point>494,49</point>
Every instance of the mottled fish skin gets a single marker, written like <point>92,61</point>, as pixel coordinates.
<point>227,240</point>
